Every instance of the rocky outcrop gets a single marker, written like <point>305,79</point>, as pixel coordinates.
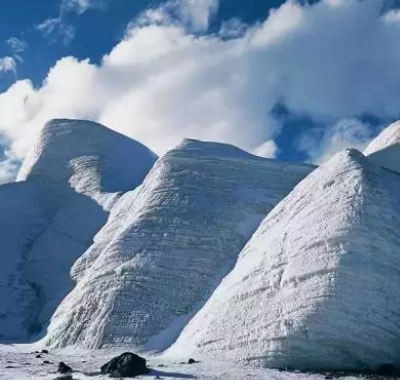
<point>125,365</point>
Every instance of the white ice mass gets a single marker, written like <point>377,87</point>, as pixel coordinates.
<point>78,170</point>
<point>208,252</point>
<point>316,287</point>
<point>166,245</point>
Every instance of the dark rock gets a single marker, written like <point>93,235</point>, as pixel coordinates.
<point>44,352</point>
<point>191,361</point>
<point>388,370</point>
<point>38,356</point>
<point>63,368</point>
<point>9,366</point>
<point>46,362</point>
<point>65,377</point>
<point>125,365</point>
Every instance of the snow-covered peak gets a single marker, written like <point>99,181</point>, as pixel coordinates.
<point>384,150</point>
<point>86,156</point>
<point>197,148</point>
<point>388,137</point>
<point>316,286</point>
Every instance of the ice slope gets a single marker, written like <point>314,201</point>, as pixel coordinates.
<point>167,244</point>
<point>317,286</point>
<point>80,169</point>
<point>384,150</point>
<point>21,220</point>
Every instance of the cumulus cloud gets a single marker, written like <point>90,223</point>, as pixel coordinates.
<point>267,149</point>
<point>337,59</point>
<point>8,64</point>
<point>192,15</point>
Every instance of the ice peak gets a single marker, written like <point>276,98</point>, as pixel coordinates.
<point>384,150</point>
<point>200,148</point>
<point>69,151</point>
<point>388,137</point>
<point>314,279</point>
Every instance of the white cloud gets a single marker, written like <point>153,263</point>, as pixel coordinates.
<point>193,15</point>
<point>197,14</point>
<point>8,168</point>
<point>233,28</point>
<point>329,61</point>
<point>8,64</point>
<point>81,6</point>
<point>17,45</point>
<point>321,144</point>
<point>52,28</point>
<point>49,25</point>
<point>267,149</point>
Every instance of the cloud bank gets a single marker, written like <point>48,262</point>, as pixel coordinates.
<point>337,59</point>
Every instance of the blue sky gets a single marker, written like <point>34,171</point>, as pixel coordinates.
<point>294,80</point>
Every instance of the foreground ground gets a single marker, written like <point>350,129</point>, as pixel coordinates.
<point>21,363</point>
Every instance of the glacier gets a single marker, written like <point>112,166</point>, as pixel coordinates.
<point>77,170</point>
<point>316,287</point>
<point>167,244</point>
<point>208,251</point>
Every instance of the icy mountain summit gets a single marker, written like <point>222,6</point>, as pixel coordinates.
<point>167,245</point>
